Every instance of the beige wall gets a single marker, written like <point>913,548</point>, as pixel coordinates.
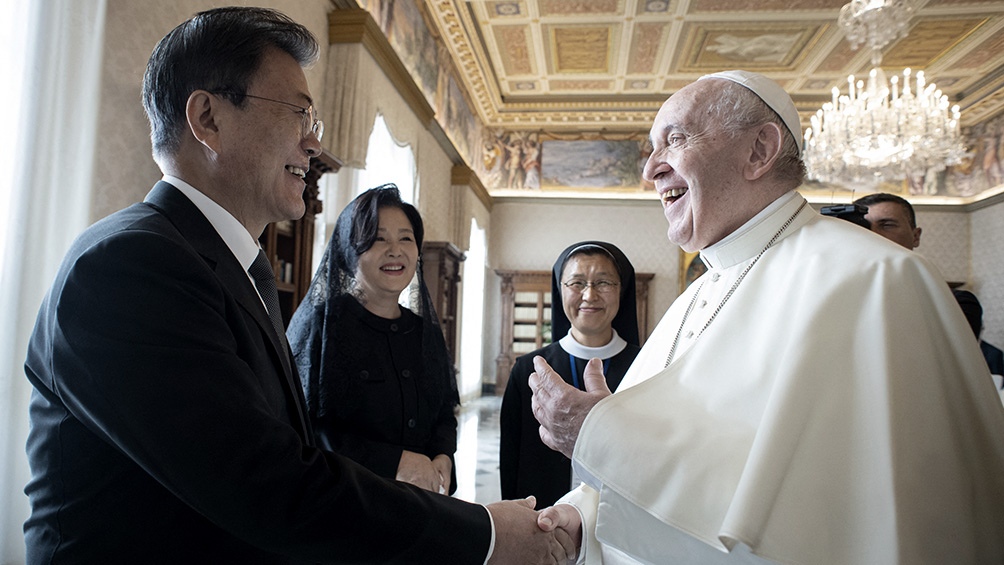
<point>945,241</point>
<point>530,235</point>
<point>987,232</point>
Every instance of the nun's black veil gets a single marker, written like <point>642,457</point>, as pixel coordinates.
<point>313,330</point>
<point>626,320</point>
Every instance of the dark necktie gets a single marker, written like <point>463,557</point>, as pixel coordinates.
<point>264,279</point>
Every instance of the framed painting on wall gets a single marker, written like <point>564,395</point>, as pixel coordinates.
<point>691,268</point>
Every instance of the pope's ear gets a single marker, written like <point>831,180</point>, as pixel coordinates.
<point>766,149</point>
<point>202,114</point>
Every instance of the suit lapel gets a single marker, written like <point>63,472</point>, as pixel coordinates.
<point>194,226</point>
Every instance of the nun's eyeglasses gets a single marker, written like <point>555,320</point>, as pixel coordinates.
<point>600,286</point>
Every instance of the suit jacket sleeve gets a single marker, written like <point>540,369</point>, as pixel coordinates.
<point>152,354</point>
<point>444,430</point>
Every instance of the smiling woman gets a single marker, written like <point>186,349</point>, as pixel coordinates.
<point>377,376</point>
<point>594,314</point>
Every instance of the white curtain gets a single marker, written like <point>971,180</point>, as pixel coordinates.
<point>388,160</point>
<point>53,49</point>
<point>472,323</point>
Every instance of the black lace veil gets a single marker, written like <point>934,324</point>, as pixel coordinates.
<point>314,328</point>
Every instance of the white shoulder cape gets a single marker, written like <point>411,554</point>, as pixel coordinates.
<point>838,410</point>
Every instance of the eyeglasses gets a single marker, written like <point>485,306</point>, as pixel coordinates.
<point>308,115</point>
<point>602,287</point>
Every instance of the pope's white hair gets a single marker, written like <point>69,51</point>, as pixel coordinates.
<point>736,109</point>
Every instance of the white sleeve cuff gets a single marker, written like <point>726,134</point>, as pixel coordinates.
<point>491,546</point>
<point>585,500</point>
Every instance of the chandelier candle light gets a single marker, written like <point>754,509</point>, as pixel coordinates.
<point>877,132</point>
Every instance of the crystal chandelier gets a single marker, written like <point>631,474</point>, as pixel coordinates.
<point>881,130</point>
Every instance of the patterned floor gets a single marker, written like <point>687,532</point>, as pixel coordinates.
<point>478,450</point>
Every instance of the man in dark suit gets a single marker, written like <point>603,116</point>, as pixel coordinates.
<point>167,421</point>
<point>973,310</point>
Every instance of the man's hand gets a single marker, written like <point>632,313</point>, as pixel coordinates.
<point>564,520</point>
<point>520,541</point>
<point>418,470</point>
<point>561,408</point>
<point>444,467</point>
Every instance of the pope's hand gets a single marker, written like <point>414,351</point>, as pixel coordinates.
<point>563,519</point>
<point>519,540</point>
<point>561,408</point>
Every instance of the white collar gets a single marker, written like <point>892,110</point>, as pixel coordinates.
<point>616,345</point>
<point>751,237</point>
<point>241,243</point>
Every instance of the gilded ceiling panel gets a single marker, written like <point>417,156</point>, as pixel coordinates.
<point>755,47</point>
<point>947,82</point>
<point>818,84</point>
<point>646,44</point>
<point>565,85</point>
<point>572,7</point>
<point>985,108</point>
<point>928,41</point>
<point>672,85</point>
<point>655,7</point>
<point>514,49</point>
<point>839,58</point>
<point>697,6</point>
<point>580,49</point>
<point>506,9</point>
<point>522,86</point>
<point>985,52</point>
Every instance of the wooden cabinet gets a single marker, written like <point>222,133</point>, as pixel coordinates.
<point>526,316</point>
<point>526,319</point>
<point>441,261</point>
<point>290,244</point>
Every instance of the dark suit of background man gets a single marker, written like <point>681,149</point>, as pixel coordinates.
<point>166,422</point>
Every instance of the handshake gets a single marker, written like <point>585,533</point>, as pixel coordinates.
<point>525,536</point>
<point>552,535</point>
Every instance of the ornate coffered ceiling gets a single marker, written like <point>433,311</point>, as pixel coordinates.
<point>607,65</point>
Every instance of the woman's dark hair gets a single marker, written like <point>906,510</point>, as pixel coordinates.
<point>365,218</point>
<point>315,326</point>
<point>217,50</point>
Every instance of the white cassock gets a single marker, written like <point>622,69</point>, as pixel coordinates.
<point>999,385</point>
<point>836,410</point>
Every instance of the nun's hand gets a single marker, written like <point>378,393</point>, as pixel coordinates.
<point>418,470</point>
